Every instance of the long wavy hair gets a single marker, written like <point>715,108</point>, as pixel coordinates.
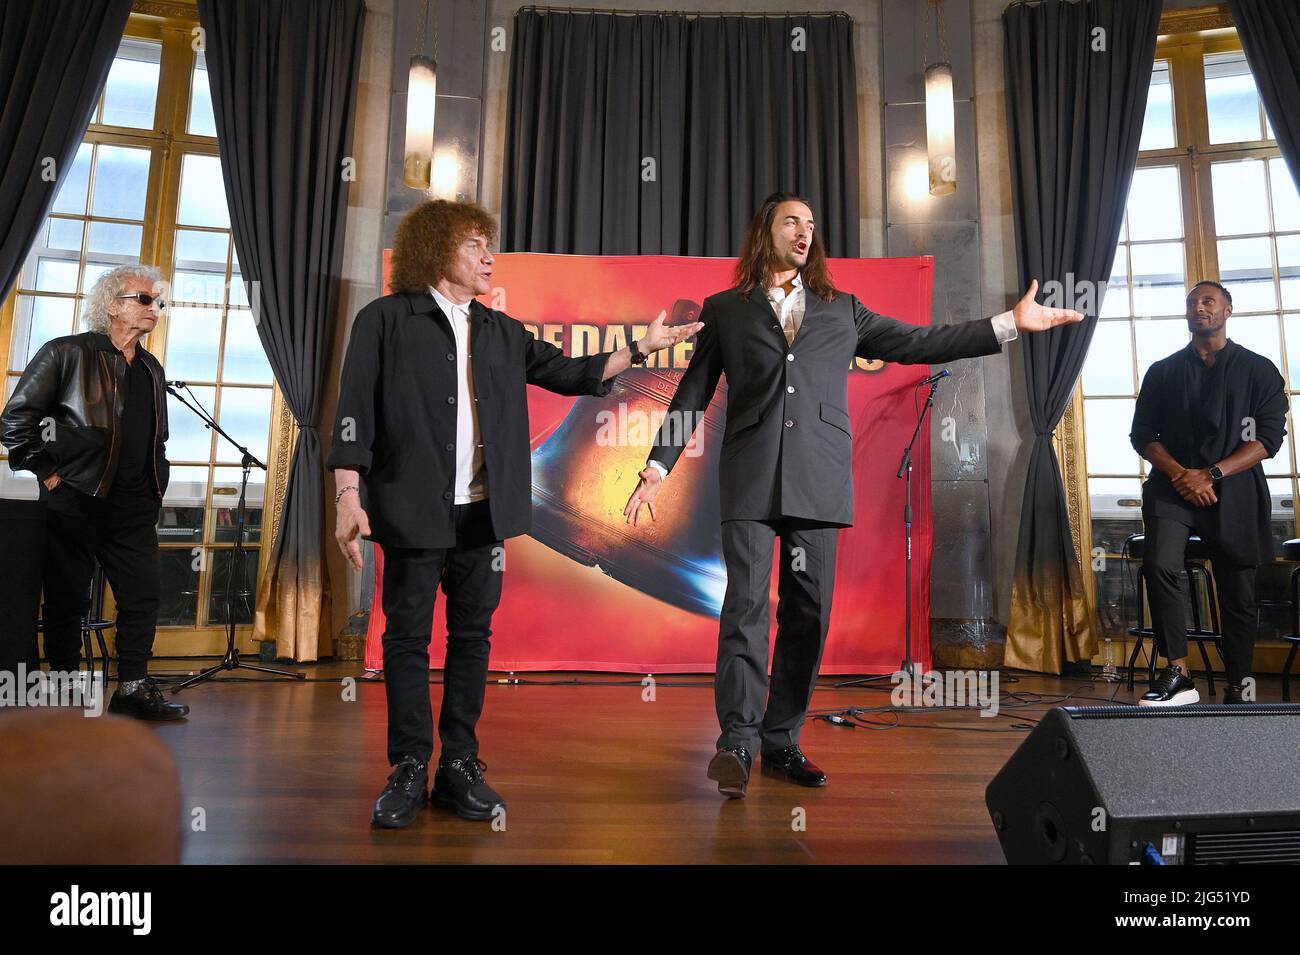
<point>758,256</point>
<point>427,239</point>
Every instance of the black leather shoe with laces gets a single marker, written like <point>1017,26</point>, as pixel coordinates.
<point>729,768</point>
<point>1234,695</point>
<point>458,785</point>
<point>146,703</point>
<point>793,766</point>
<point>405,795</point>
<point>1171,688</point>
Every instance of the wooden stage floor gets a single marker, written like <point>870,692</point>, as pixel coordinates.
<point>288,773</point>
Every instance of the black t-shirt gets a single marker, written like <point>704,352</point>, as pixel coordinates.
<point>135,464</point>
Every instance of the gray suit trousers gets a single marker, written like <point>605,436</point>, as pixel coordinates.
<point>805,587</point>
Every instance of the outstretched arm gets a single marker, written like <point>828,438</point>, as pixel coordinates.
<point>891,340</point>
<point>548,367</point>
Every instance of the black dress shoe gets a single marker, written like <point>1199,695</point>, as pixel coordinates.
<point>793,766</point>
<point>459,785</point>
<point>146,703</point>
<point>1233,695</point>
<point>729,768</point>
<point>405,795</point>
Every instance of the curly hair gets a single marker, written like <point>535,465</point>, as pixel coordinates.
<point>427,239</point>
<point>94,311</point>
<point>758,256</point>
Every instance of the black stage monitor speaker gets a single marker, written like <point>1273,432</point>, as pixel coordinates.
<point>1187,785</point>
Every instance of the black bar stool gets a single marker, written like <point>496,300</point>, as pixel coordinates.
<point>1199,574</point>
<point>1291,551</point>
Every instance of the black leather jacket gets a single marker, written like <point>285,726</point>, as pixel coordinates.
<point>74,384</point>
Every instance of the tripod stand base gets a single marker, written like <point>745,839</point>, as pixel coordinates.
<point>231,661</point>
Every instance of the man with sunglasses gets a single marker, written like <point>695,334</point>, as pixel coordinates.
<point>89,418</point>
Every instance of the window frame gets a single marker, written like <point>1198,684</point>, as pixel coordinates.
<point>173,25</point>
<point>1187,37</point>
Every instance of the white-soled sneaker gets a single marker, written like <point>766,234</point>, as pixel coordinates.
<point>1171,689</point>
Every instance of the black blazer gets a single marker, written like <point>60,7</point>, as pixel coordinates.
<point>396,419</point>
<point>788,446</point>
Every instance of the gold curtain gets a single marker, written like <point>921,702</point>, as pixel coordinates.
<point>1053,604</point>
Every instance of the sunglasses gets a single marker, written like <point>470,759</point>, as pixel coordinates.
<point>145,299</point>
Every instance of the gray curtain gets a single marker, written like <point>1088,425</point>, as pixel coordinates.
<point>1270,35</point>
<point>50,81</point>
<point>1075,116</point>
<point>725,107</point>
<point>284,79</point>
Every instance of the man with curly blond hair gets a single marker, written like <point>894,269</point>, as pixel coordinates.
<point>431,459</point>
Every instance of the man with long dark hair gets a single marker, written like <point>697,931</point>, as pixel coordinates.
<point>431,459</point>
<point>785,337</point>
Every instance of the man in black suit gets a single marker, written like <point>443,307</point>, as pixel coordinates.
<point>431,459</point>
<point>785,337</point>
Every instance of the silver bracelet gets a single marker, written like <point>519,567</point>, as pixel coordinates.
<point>351,487</point>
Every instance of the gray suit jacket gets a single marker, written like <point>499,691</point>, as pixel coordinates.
<point>788,446</point>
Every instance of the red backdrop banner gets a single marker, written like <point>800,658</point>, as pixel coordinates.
<point>585,591</point>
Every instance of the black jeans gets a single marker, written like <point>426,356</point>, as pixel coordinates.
<point>121,533</point>
<point>1162,567</point>
<point>470,573</point>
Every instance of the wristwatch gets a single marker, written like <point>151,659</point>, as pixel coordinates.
<point>638,357</point>
<point>1216,473</point>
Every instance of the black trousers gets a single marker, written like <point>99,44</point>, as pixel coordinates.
<point>470,573</point>
<point>1162,568</point>
<point>803,614</point>
<point>121,533</point>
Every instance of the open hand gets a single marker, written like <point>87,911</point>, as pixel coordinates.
<point>659,336</point>
<point>1032,317</point>
<point>646,491</point>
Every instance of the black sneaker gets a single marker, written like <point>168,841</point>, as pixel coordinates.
<point>458,785</point>
<point>146,703</point>
<point>405,795</point>
<point>1171,689</point>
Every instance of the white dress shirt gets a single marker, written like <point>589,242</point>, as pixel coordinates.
<point>789,307</point>
<point>471,478</point>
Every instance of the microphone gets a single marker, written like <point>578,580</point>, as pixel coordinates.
<point>935,378</point>
<point>176,384</point>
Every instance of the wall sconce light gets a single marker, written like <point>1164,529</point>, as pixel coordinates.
<point>421,99</point>
<point>446,174</point>
<point>940,121</point>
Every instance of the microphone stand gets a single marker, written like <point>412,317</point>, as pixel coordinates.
<point>231,659</point>
<point>909,665</point>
